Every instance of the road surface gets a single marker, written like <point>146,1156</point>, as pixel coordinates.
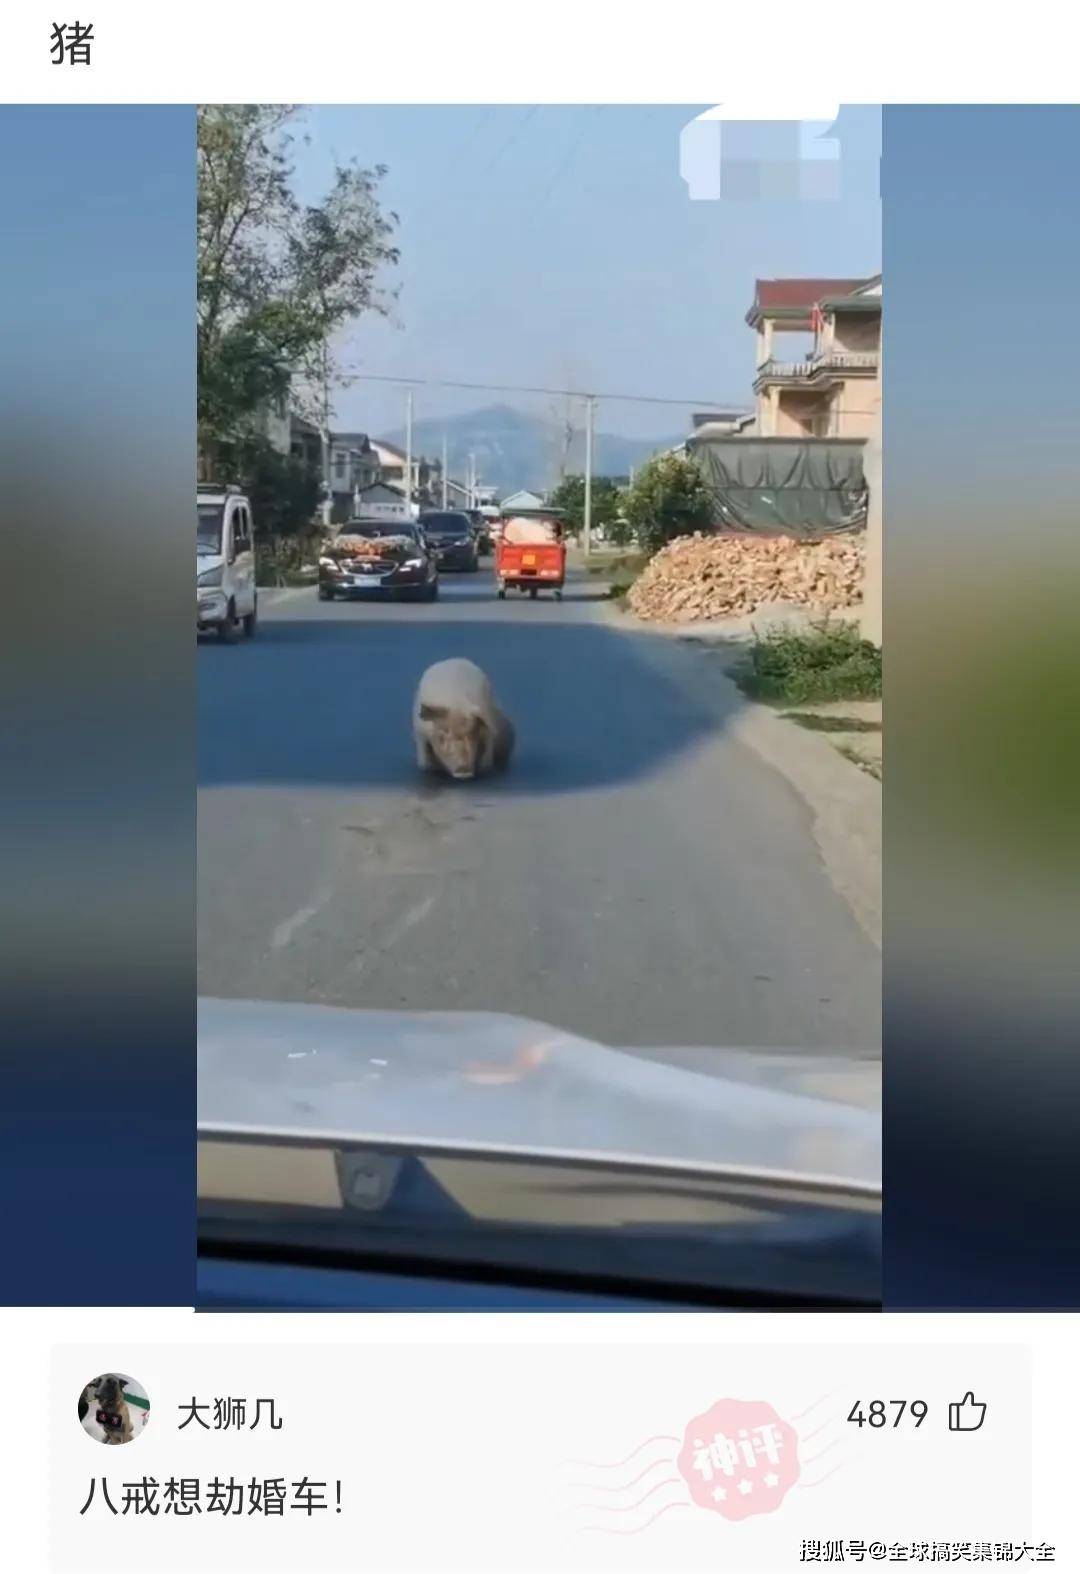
<point>640,876</point>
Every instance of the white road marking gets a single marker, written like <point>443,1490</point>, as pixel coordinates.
<point>285,931</point>
<point>407,921</point>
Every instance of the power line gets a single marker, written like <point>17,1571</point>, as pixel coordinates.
<point>516,130</point>
<point>567,159</point>
<point>456,153</point>
<point>572,393</point>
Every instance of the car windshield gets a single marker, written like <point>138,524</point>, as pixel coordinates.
<point>446,524</point>
<point>208,537</point>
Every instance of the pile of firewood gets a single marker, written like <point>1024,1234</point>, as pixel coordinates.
<point>696,577</point>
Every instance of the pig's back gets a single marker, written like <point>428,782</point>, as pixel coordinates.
<point>457,685</point>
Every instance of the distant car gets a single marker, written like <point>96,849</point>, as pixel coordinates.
<point>380,557</point>
<point>451,535</point>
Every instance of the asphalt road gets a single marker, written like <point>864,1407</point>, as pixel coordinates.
<point>640,876</point>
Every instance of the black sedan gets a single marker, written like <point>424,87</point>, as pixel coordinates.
<point>379,557</point>
<point>452,539</point>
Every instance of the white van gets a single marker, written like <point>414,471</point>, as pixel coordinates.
<point>226,598</point>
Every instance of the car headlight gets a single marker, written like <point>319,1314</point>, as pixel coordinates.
<point>210,578</point>
<point>413,562</point>
<point>327,562</point>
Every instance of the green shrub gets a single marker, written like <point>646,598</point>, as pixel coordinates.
<point>287,560</point>
<point>830,662</point>
<point>669,498</point>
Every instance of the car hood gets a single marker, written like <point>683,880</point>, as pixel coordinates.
<point>484,1082</point>
<point>205,560</point>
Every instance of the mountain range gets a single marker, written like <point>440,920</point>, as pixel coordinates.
<point>513,448</point>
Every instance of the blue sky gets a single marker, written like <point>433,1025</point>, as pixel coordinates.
<point>558,245</point>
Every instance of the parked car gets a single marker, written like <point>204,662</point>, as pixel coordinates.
<point>451,535</point>
<point>383,557</point>
<point>226,601</point>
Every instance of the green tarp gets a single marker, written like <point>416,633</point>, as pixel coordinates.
<point>784,486</point>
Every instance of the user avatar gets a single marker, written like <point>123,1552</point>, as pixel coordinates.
<point>113,1408</point>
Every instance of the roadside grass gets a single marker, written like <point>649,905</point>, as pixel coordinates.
<point>281,562</point>
<point>620,568</point>
<point>601,560</point>
<point>815,723</point>
<point>271,577</point>
<point>831,661</point>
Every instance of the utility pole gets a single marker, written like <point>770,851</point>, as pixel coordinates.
<point>324,438</point>
<point>472,480</point>
<point>408,455</point>
<point>445,477</point>
<point>590,411</point>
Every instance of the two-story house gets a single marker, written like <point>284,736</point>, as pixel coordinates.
<point>831,387</point>
<point>305,442</point>
<point>457,493</point>
<point>353,462</point>
<point>426,486</point>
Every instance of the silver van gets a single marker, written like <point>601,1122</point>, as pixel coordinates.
<point>226,600</point>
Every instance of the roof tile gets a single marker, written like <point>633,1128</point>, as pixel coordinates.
<point>799,292</point>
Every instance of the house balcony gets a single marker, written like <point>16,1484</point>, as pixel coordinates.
<point>817,370</point>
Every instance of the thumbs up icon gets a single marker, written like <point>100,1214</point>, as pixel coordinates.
<point>967,1416</point>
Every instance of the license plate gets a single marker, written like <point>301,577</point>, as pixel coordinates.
<point>370,578</point>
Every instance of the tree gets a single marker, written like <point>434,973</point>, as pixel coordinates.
<point>284,491</point>
<point>668,498</point>
<point>274,279</point>
<point>244,207</point>
<point>569,495</point>
<point>336,250</point>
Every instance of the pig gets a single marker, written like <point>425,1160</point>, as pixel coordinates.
<point>457,726</point>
